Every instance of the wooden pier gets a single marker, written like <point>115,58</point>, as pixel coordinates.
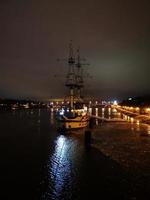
<point>103,119</point>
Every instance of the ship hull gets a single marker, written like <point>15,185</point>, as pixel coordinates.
<point>76,123</point>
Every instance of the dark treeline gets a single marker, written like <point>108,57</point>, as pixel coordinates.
<point>141,101</point>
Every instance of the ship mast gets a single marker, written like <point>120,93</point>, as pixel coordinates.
<point>71,77</point>
<point>79,75</point>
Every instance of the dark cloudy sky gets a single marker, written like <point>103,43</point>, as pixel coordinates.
<point>114,37</point>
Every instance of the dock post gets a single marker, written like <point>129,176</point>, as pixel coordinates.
<point>88,134</point>
<point>87,138</point>
<point>91,123</point>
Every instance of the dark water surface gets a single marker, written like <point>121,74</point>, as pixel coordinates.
<point>37,162</point>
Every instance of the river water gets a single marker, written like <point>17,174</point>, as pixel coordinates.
<point>38,162</point>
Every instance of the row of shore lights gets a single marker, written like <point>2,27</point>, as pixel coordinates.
<point>137,109</point>
<point>90,102</point>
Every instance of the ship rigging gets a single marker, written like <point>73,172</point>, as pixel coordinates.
<point>75,115</point>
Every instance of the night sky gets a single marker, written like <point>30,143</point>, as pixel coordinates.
<point>113,35</point>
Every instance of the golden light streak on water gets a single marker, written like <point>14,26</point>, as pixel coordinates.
<point>52,118</point>
<point>103,114</point>
<point>96,121</point>
<point>148,130</point>
<point>109,111</point>
<point>119,114</point>
<point>90,111</point>
<point>96,111</point>
<point>114,110</point>
<point>132,119</point>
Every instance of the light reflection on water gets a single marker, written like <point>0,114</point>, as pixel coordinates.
<point>60,165</point>
<point>148,130</point>
<point>109,111</point>
<point>62,157</point>
<point>63,168</point>
<point>90,111</point>
<point>52,118</point>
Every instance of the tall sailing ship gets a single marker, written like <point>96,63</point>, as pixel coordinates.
<point>75,114</point>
